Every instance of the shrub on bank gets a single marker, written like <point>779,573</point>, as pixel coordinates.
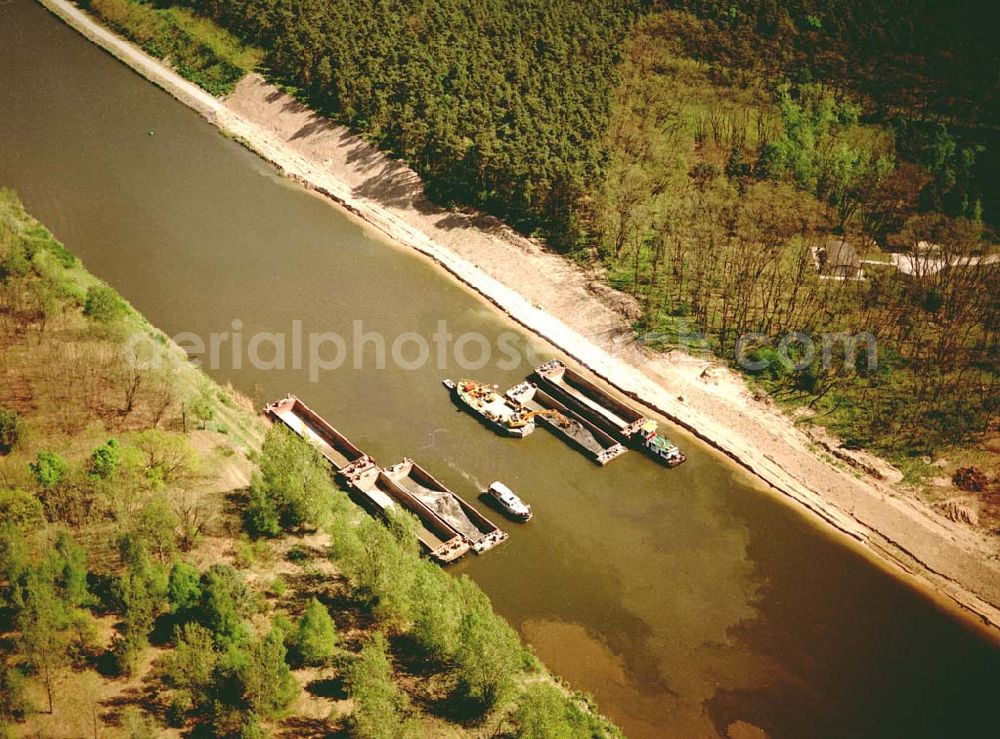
<point>103,304</point>
<point>160,35</point>
<point>11,429</point>
<point>451,619</point>
<point>21,508</point>
<point>315,640</point>
<point>380,708</point>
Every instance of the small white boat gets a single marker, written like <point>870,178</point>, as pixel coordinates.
<point>508,500</point>
<point>448,383</point>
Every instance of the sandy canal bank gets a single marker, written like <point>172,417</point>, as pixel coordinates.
<point>569,309</point>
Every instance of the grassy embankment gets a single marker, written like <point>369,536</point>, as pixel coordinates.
<point>195,47</point>
<point>132,598</point>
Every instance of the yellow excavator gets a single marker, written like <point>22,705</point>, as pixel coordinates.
<point>522,419</point>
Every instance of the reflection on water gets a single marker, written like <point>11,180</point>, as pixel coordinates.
<point>687,601</point>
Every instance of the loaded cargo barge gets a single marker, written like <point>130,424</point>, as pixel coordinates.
<point>608,413</point>
<point>562,421</point>
<point>448,526</point>
<point>383,495</point>
<point>481,533</point>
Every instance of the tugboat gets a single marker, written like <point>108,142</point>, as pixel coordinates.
<point>508,500</point>
<point>500,413</point>
<point>657,446</point>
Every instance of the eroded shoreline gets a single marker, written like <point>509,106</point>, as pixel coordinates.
<point>558,303</point>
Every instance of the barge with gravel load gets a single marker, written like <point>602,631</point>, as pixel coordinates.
<point>481,533</point>
<point>383,495</point>
<point>615,417</point>
<point>571,426</point>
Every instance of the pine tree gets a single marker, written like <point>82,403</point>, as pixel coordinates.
<point>315,642</point>
<point>41,621</point>
<point>380,708</point>
<point>183,588</point>
<point>268,684</point>
<point>489,654</point>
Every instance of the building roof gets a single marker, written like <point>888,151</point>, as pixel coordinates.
<point>841,255</point>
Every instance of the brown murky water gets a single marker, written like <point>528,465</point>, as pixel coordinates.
<point>685,600</point>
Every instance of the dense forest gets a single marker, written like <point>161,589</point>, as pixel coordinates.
<point>919,66</point>
<point>912,56</point>
<point>500,105</point>
<point>735,160</point>
<point>701,153</point>
<point>166,564</point>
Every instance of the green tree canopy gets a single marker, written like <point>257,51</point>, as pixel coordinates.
<point>20,507</point>
<point>103,304</point>
<point>226,601</point>
<point>189,669</point>
<point>183,588</point>
<point>293,487</point>
<point>41,621</point>
<point>380,708</point>
<point>315,640</point>
<point>139,593</point>
<point>104,460</point>
<point>50,469</point>
<point>489,653</point>
<point>267,683</point>
<point>11,429</point>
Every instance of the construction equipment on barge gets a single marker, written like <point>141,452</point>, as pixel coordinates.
<point>609,413</point>
<point>485,402</point>
<point>448,526</point>
<point>571,426</point>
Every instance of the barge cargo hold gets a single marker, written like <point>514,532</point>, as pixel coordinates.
<point>442,542</point>
<point>486,403</point>
<point>308,424</point>
<point>610,414</point>
<point>571,426</point>
<point>481,533</point>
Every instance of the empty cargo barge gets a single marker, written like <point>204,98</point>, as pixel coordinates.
<point>607,412</point>
<point>308,424</point>
<point>562,421</point>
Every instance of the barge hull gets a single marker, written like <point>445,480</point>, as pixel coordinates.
<point>615,416</point>
<point>383,495</point>
<point>578,431</point>
<point>367,483</point>
<point>590,401</point>
<point>312,427</point>
<point>481,533</point>
<point>494,412</point>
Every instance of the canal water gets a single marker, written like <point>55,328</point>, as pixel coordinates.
<point>687,601</point>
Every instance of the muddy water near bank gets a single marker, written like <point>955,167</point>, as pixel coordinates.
<point>685,600</point>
